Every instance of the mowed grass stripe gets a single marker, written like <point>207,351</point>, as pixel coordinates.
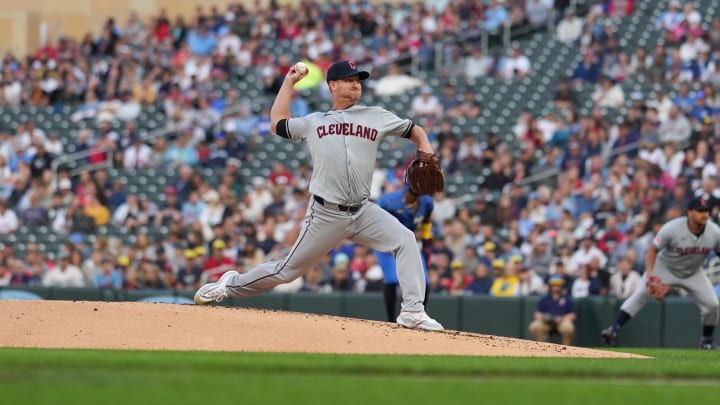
<point>667,364</point>
<point>109,387</point>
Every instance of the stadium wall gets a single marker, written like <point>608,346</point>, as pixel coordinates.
<point>673,323</point>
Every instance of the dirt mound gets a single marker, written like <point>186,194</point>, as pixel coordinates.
<point>149,326</point>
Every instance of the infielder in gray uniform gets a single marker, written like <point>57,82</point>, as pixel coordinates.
<point>343,143</point>
<point>676,256</point>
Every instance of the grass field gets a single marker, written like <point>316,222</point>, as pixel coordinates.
<point>38,376</point>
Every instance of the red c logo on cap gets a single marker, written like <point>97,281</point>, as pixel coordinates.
<point>352,64</point>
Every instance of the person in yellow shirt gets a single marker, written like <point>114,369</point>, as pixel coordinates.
<point>97,211</point>
<point>144,91</point>
<point>507,284</point>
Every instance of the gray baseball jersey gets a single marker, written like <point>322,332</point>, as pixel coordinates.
<point>343,146</point>
<point>678,263</point>
<point>681,251</point>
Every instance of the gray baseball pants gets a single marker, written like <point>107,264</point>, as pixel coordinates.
<point>322,229</point>
<point>698,287</point>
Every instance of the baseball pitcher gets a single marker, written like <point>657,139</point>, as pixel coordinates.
<point>343,145</point>
<point>674,258</point>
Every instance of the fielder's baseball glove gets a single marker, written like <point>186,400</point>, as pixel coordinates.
<point>656,288</point>
<point>424,175</point>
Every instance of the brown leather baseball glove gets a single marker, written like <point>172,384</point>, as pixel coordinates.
<point>657,288</point>
<point>424,175</point>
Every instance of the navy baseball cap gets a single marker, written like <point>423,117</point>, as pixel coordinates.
<point>343,69</point>
<point>699,204</point>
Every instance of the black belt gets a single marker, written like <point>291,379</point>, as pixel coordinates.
<point>346,208</point>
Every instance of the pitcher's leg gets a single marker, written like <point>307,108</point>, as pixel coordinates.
<point>321,230</point>
<point>377,229</point>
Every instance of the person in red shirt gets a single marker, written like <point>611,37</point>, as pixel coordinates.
<point>612,237</point>
<point>216,260</point>
<point>280,175</point>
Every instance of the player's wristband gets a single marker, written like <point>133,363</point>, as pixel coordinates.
<point>426,230</point>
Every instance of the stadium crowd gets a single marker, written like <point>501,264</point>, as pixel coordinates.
<point>614,183</point>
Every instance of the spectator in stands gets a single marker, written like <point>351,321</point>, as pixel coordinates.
<point>588,70</point>
<point>482,280</point>
<point>507,284</point>
<point>565,96</point>
<point>396,82</point>
<point>499,176</point>
<point>469,150</point>
<point>585,254</point>
<point>530,283</point>
<point>459,281</point>
<point>570,27</point>
<point>538,12</point>
<point>495,16</point>
<point>477,64</point>
<point>468,107</point>
<point>676,128</point>
<point>109,277</point>
<point>201,41</point>
<point>669,19</point>
<point>20,275</point>
<point>516,65</point>
<point>608,93</point>
<point>624,281</point>
<point>137,155</point>
<point>554,313</point>
<point>586,283</point>
<point>689,14</point>
<point>64,275</point>
<point>8,219</point>
<point>426,106</point>
<point>189,273</point>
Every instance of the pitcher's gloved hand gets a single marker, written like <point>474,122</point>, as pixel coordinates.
<point>424,175</point>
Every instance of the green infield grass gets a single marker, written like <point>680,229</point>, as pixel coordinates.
<point>41,376</point>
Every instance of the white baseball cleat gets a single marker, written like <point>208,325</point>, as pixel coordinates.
<point>418,320</point>
<point>214,292</point>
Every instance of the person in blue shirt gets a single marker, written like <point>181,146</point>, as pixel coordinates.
<point>555,312</point>
<point>413,212</point>
<point>109,277</point>
<point>482,280</point>
<point>201,41</point>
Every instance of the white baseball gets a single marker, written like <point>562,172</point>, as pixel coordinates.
<point>301,68</point>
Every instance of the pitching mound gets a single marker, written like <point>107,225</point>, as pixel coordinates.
<point>148,326</point>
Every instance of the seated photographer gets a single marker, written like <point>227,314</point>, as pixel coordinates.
<point>555,313</point>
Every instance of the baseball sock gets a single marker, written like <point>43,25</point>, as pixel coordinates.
<point>621,320</point>
<point>390,295</point>
<point>708,331</point>
<point>427,296</point>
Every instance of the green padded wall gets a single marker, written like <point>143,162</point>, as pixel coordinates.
<point>683,326</point>
<point>644,329</point>
<point>492,315</point>
<point>366,306</point>
<point>447,310</point>
<point>326,304</point>
<point>262,301</point>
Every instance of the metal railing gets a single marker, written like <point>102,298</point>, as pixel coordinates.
<point>77,156</point>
